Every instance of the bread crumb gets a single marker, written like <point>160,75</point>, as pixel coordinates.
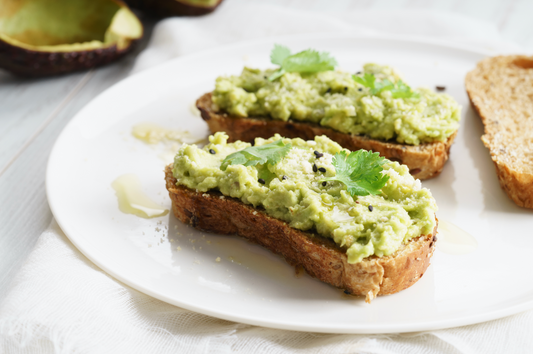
<point>255,212</point>
<point>369,297</point>
<point>217,259</point>
<point>221,197</point>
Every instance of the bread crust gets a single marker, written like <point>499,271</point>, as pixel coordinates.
<point>424,161</point>
<point>319,256</point>
<point>501,91</point>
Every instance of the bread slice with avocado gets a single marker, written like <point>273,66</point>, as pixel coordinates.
<point>305,96</point>
<point>359,223</point>
<point>424,160</point>
<point>501,91</point>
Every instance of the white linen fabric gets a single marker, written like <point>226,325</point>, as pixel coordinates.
<point>62,303</point>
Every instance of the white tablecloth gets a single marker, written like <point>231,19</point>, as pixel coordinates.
<point>62,303</point>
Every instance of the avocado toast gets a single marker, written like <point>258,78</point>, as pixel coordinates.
<point>372,109</point>
<point>354,220</point>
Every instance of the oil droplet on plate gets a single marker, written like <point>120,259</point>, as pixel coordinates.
<point>132,200</point>
<point>152,133</point>
<point>454,240</point>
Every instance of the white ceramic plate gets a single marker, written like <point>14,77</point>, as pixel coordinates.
<point>250,284</point>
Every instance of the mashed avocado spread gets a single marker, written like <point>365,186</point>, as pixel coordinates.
<point>333,99</point>
<point>292,190</point>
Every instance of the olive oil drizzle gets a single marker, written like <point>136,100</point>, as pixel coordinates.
<point>132,200</point>
<point>454,240</point>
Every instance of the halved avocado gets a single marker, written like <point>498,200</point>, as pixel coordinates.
<point>166,8</point>
<point>47,37</point>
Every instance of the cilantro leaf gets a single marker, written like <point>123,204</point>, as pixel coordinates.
<point>367,80</point>
<point>403,91</point>
<point>360,171</point>
<point>279,53</point>
<point>307,61</point>
<point>384,85</point>
<point>398,90</point>
<point>276,74</point>
<point>269,153</point>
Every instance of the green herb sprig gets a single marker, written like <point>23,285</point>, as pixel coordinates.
<point>401,90</point>
<point>307,61</point>
<point>398,90</point>
<point>360,171</point>
<point>269,153</point>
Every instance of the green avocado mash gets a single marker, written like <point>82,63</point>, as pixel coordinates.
<point>333,99</point>
<point>293,192</point>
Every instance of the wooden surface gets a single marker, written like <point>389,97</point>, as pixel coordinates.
<point>34,111</point>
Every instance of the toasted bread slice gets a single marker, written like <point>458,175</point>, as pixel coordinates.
<point>319,256</point>
<point>424,160</point>
<point>501,91</point>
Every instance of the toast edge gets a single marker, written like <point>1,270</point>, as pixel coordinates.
<point>424,161</point>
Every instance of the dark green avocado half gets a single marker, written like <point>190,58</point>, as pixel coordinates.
<point>48,37</point>
<point>166,8</point>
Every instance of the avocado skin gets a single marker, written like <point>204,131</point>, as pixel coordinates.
<point>168,8</point>
<point>31,63</point>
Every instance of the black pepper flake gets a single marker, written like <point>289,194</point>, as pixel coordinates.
<point>315,168</point>
<point>284,177</point>
<point>265,77</point>
<point>347,292</point>
<point>371,208</point>
<point>260,180</point>
<point>322,169</point>
<point>318,154</point>
<point>435,238</point>
<point>441,88</point>
<point>360,89</point>
<point>345,88</point>
<point>357,73</point>
<point>328,90</point>
<point>324,183</point>
<point>431,244</point>
<point>212,151</point>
